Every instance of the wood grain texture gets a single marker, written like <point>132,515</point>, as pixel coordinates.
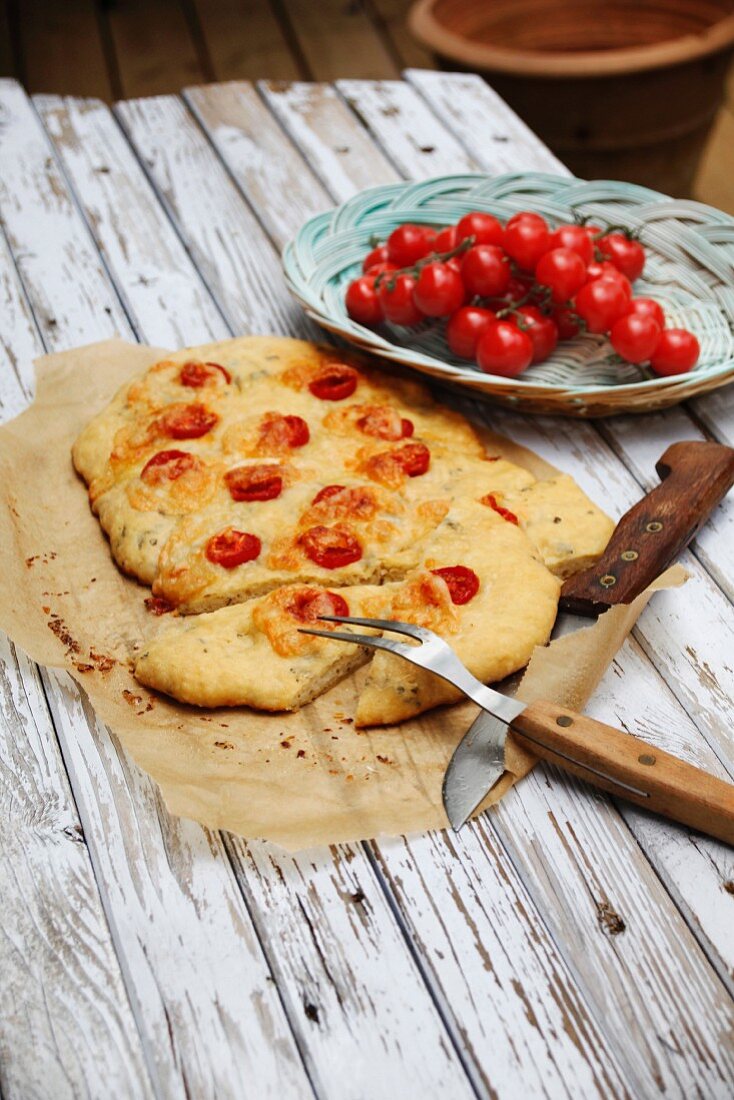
<point>335,38</point>
<point>245,41</point>
<point>164,922</point>
<point>61,48</point>
<point>347,1024</point>
<point>579,1049</point>
<point>156,48</point>
<point>573,454</point>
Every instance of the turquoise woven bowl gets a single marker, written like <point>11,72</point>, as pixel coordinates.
<point>689,270</point>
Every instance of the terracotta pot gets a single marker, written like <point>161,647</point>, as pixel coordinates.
<point>620,89</point>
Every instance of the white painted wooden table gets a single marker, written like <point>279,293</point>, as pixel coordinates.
<point>563,945</point>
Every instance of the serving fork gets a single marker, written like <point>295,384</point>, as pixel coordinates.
<point>611,759</point>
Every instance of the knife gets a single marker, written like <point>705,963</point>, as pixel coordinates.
<point>652,534</point>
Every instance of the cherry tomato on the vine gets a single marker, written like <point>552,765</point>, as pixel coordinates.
<point>503,349</point>
<point>439,290</point>
<point>446,240</point>
<point>526,215</point>
<point>567,322</point>
<point>464,329</point>
<point>408,243</point>
<point>605,270</point>
<point>647,307</point>
<point>635,338</point>
<point>484,228</point>
<point>485,270</point>
<point>575,237</point>
<point>627,255</point>
<point>362,301</point>
<point>395,294</point>
<point>542,330</point>
<point>676,352</point>
<point>526,239</point>
<point>600,303</point>
<point>563,271</point>
<point>378,255</point>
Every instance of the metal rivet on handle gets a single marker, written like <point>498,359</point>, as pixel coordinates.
<point>607,580</point>
<point>564,720</point>
<point>629,555</point>
<point>646,758</point>
<point>654,527</point>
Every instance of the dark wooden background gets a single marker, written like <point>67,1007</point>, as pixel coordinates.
<point>122,49</point>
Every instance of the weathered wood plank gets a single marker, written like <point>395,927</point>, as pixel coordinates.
<point>155,49</point>
<point>190,900</point>
<point>585,821</point>
<point>351,1032</point>
<point>61,48</point>
<point>161,125</point>
<point>334,37</point>
<point>245,41</point>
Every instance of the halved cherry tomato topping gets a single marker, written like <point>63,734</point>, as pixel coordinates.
<point>198,374</point>
<point>277,432</point>
<point>186,421</point>
<point>157,605</point>
<point>250,483</point>
<point>331,547</point>
<point>382,422</point>
<point>334,382</point>
<point>310,604</point>
<point>415,458</point>
<point>168,466</point>
<point>491,501</point>
<point>231,548</point>
<point>462,582</point>
<point>326,492</point>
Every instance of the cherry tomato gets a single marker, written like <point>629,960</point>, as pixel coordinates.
<point>439,290</point>
<point>563,271</point>
<point>485,270</point>
<point>378,255</point>
<point>334,382</point>
<point>168,466</point>
<point>635,338</point>
<point>517,288</point>
<point>464,329</point>
<point>406,244</point>
<point>384,422</point>
<point>253,483</point>
<point>331,547</point>
<point>576,238</point>
<point>484,228</point>
<point>231,548</point>
<point>526,239</point>
<point>396,298</point>
<point>380,269</point>
<point>647,307</point>
<point>676,352</point>
<point>491,501</point>
<point>605,270</point>
<point>567,323</point>
<point>362,301</point>
<point>415,458</point>
<point>628,256</point>
<point>447,239</point>
<point>600,303</point>
<point>461,581</point>
<point>186,421</point>
<point>504,349</point>
<point>197,375</point>
<point>309,604</point>
<point>542,330</point>
<point>526,215</point>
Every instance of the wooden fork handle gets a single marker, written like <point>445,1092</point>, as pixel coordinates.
<point>625,766</point>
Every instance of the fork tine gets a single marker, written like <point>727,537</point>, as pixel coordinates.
<point>418,632</point>
<point>373,640</point>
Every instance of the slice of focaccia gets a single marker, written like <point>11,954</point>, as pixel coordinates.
<point>253,655</point>
<point>485,590</point>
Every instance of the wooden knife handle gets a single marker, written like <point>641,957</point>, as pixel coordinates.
<point>625,766</point>
<point>694,478</point>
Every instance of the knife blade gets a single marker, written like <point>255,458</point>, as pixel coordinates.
<point>695,475</point>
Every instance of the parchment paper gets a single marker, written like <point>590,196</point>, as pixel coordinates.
<point>300,780</point>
